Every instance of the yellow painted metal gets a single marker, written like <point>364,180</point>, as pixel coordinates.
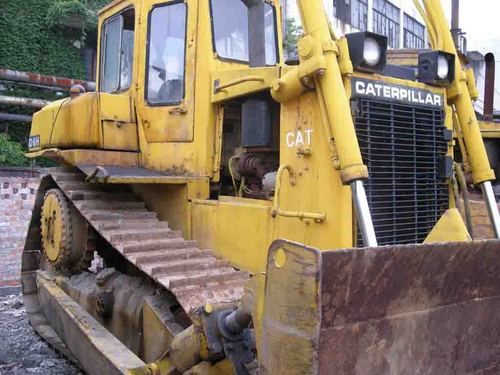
<point>88,157</point>
<point>277,211</point>
<point>303,298</point>
<point>330,89</point>
<point>68,122</point>
<point>119,126</point>
<point>449,228</point>
<point>97,349</point>
<point>459,96</point>
<point>237,229</point>
<point>319,153</point>
<point>157,336</point>
<point>233,83</point>
<point>405,57</point>
<point>490,129</point>
<point>53,229</point>
<point>170,180</point>
<point>288,86</point>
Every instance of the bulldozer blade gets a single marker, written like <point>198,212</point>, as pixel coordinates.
<point>404,309</point>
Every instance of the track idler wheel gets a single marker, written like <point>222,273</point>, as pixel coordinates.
<point>64,233</point>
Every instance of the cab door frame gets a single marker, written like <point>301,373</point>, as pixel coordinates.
<point>168,122</point>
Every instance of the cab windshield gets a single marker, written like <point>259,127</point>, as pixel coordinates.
<point>230,30</point>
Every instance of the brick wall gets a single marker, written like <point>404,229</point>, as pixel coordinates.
<point>17,195</point>
<point>481,220</point>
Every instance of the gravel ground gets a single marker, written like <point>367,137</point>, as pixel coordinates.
<point>22,351</point>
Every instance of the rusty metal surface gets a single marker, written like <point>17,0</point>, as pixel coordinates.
<point>24,102</point>
<point>14,117</point>
<point>429,308</point>
<point>193,275</point>
<point>43,80</point>
<point>489,86</point>
<point>415,309</point>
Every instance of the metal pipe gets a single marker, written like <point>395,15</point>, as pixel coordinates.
<point>320,50</point>
<point>24,102</point>
<point>489,86</point>
<point>491,204</point>
<point>363,214</point>
<point>459,96</point>
<point>256,33</point>
<point>465,194</point>
<point>455,22</point>
<point>14,117</point>
<point>43,80</point>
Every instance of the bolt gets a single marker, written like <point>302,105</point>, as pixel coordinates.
<point>216,348</point>
<point>208,308</point>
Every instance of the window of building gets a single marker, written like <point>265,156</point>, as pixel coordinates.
<point>166,54</point>
<point>359,14</point>
<point>414,33</point>
<point>386,21</point>
<point>230,28</point>
<point>117,52</point>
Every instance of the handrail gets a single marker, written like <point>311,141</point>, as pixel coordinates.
<point>237,82</point>
<point>277,211</point>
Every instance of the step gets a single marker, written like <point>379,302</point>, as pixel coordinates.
<point>138,234</point>
<point>165,244</point>
<point>140,258</point>
<point>109,205</point>
<point>101,215</point>
<point>66,177</point>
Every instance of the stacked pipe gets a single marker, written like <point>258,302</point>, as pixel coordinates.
<point>34,80</point>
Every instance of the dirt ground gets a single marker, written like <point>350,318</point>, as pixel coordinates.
<point>22,351</point>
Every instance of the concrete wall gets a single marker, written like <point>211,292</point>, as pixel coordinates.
<point>17,196</point>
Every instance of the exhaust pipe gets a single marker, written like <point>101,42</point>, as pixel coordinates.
<point>489,86</point>
<point>256,33</point>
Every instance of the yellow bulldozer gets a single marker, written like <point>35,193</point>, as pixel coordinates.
<point>220,211</point>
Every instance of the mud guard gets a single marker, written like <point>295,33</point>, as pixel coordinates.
<point>409,309</point>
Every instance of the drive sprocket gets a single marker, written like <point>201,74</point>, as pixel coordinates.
<point>64,233</point>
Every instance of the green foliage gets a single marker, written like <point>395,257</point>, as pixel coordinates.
<point>292,34</point>
<point>11,153</point>
<point>74,17</point>
<point>32,39</point>
<point>69,13</point>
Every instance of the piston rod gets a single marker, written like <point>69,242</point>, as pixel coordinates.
<point>491,204</point>
<point>363,214</point>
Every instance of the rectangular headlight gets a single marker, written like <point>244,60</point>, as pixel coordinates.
<point>436,68</point>
<point>368,51</point>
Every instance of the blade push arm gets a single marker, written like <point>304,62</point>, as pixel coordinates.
<point>458,96</point>
<point>319,63</point>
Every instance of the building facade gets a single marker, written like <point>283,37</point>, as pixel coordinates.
<point>396,19</point>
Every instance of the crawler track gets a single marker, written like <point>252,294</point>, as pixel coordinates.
<point>193,275</point>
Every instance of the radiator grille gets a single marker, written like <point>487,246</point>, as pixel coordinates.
<point>403,146</point>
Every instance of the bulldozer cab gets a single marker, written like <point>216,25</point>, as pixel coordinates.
<point>327,179</point>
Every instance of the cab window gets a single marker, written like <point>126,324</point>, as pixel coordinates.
<point>166,54</point>
<point>230,30</point>
<point>117,52</point>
